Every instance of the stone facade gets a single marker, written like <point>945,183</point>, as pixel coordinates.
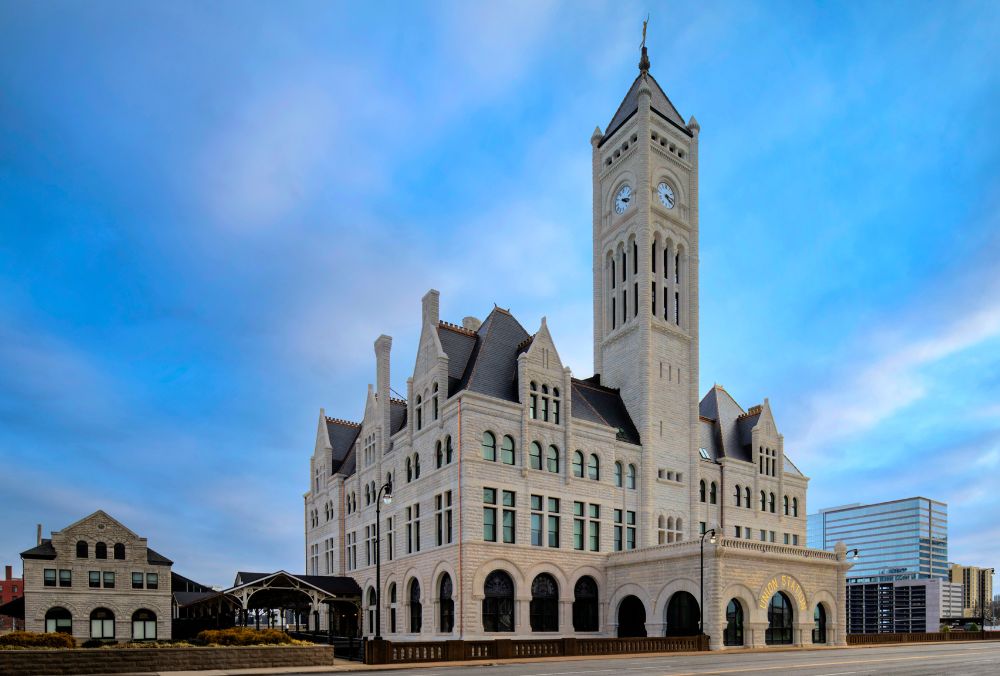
<point>590,496</point>
<point>69,572</point>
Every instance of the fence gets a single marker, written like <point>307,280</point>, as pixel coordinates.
<point>872,639</point>
<point>387,652</point>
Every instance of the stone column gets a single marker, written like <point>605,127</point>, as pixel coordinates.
<point>754,636</point>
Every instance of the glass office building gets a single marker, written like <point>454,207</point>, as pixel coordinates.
<point>898,540</point>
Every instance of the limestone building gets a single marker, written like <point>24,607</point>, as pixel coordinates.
<point>96,579</point>
<point>527,501</point>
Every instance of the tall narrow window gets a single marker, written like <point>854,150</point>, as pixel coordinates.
<point>624,306</point>
<point>630,477</point>
<point>552,460</point>
<point>653,296</point>
<point>618,474</point>
<point>701,490</point>
<point>739,496</point>
<point>677,308</point>
<point>392,607</point>
<point>498,602</point>
<point>594,468</point>
<point>446,605</point>
<point>509,516</point>
<point>507,450</point>
<point>635,258</point>
<point>420,412</point>
<point>635,299</point>
<point>652,257</point>
<point>578,464</point>
<point>535,456</point>
<point>435,401</point>
<point>614,312</point>
<point>666,303</point>
<point>624,266</point>
<point>555,405</point>
<point>585,611</point>
<point>490,514</point>
<point>489,446</point>
<point>416,608</point>
<point>713,494</point>
<point>544,606</point>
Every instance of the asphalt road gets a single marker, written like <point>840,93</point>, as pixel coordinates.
<point>958,659</point>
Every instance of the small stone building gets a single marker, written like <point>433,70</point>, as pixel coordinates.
<point>96,579</point>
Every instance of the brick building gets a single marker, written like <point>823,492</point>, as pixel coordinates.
<point>528,502</point>
<point>11,588</point>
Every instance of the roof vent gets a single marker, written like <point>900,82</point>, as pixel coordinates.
<point>471,323</point>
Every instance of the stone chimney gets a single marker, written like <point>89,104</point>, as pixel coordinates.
<point>471,323</point>
<point>8,572</point>
<point>38,535</point>
<point>431,307</point>
<point>382,348</point>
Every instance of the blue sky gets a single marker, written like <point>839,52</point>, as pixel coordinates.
<point>208,212</point>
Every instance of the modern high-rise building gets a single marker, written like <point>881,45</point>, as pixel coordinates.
<point>977,587</point>
<point>897,540</point>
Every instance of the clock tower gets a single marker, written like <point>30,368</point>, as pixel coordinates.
<point>645,211</point>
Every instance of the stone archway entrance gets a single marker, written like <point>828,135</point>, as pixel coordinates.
<point>631,618</point>
<point>682,615</point>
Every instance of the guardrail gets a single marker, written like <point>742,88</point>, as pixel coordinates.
<point>389,652</point>
<point>873,639</point>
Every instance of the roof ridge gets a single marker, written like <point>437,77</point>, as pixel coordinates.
<point>596,412</point>
<point>526,341</point>
<point>341,421</point>
<point>456,328</point>
<point>599,388</point>
<point>394,400</point>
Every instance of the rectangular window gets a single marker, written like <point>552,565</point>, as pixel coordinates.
<point>489,514</point>
<point>795,540</point>
<point>624,306</point>
<point>666,302</point>
<point>614,312</point>
<point>50,577</point>
<point>787,538</point>
<point>763,535</point>
<point>65,578</point>
<point>630,530</point>
<point>537,521</point>
<point>738,531</point>
<point>508,516</point>
<point>137,580</point>
<point>553,522</point>
<point>595,528</point>
<point>578,526</point>
<point>94,578</point>
<point>635,299</point>
<point>619,530</point>
<point>152,581</point>
<point>746,533</point>
<point>677,308</point>
<point>413,528</point>
<point>702,528</point>
<point>109,579</point>
<point>390,539</point>
<point>533,407</point>
<point>771,536</point>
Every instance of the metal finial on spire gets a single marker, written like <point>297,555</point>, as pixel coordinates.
<point>644,60</point>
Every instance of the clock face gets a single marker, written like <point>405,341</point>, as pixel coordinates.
<point>622,199</point>
<point>666,194</point>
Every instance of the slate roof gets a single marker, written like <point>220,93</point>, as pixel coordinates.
<point>343,434</point>
<point>42,551</point>
<point>156,559</point>
<point>397,415</point>
<point>492,367</point>
<point>603,405</point>
<point>658,102</point>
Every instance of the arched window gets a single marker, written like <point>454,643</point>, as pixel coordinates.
<point>507,450</point>
<point>630,477</point>
<point>733,635</point>
<point>420,412</point>
<point>578,464</point>
<point>371,610</point>
<point>435,390</point>
<point>416,609</point>
<point>535,456</point>
<point>552,460</point>
<point>446,607</point>
<point>585,604</point>
<point>618,474</point>
<point>498,602</point>
<point>449,451</point>
<point>416,465</point>
<point>409,470</point>
<point>779,620</point>
<point>544,609</point>
<point>143,625</point>
<point>701,490</point>
<point>795,506</point>
<point>489,446</point>
<point>763,501</point>
<point>58,620</point>
<point>739,496</point>
<point>368,495</point>
<point>713,494</point>
<point>785,501</point>
<point>100,551</point>
<point>594,468</point>
<point>82,550</point>
<point>439,455</point>
<point>102,624</point>
<point>819,624</point>
<point>771,503</point>
<point>746,493</point>
<point>392,607</point>
<point>120,551</point>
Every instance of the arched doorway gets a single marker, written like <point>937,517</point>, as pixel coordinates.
<point>682,615</point>
<point>498,602</point>
<point>544,607</point>
<point>631,618</point>
<point>733,636</point>
<point>779,620</point>
<point>819,624</point>
<point>585,604</point>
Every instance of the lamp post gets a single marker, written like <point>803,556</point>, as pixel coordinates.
<point>982,596</point>
<point>701,601</point>
<point>384,493</point>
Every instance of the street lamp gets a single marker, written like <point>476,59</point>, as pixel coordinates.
<point>855,554</point>
<point>384,495</point>
<point>701,602</point>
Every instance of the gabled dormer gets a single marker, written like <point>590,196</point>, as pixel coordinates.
<point>544,384</point>
<point>429,383</point>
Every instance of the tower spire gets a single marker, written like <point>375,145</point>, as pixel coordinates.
<point>644,60</point>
